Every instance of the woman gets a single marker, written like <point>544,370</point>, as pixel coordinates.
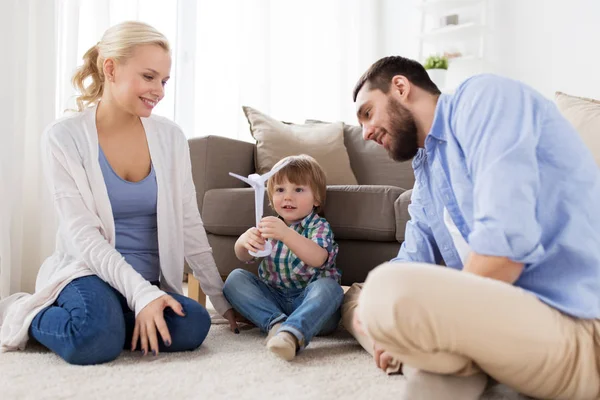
<point>122,185</point>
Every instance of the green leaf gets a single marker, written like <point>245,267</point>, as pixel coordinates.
<point>436,62</point>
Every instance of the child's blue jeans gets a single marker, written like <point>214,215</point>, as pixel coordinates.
<point>303,312</point>
<point>90,323</point>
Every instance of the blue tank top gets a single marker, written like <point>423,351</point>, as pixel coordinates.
<point>134,211</point>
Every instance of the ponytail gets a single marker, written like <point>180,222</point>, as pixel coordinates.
<point>91,93</point>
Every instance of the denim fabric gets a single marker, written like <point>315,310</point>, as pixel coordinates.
<point>303,312</point>
<point>90,323</point>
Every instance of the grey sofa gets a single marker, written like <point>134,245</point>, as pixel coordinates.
<point>368,220</point>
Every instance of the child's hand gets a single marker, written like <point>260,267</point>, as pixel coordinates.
<point>252,240</point>
<point>273,227</point>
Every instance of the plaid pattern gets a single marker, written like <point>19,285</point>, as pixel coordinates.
<point>285,270</point>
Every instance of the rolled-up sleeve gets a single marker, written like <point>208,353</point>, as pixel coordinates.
<point>320,232</point>
<point>497,124</point>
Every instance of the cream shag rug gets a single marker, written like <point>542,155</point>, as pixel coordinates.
<point>226,366</point>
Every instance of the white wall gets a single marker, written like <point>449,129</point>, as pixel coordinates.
<point>549,44</point>
<point>401,24</point>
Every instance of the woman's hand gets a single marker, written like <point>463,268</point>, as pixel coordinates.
<point>252,240</point>
<point>273,227</point>
<point>151,319</point>
<point>230,316</point>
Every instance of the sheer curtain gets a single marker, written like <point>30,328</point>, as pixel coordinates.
<point>27,106</point>
<point>294,60</point>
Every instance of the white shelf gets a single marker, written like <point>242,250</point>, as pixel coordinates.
<point>468,28</point>
<point>468,38</point>
<point>466,58</point>
<point>441,7</point>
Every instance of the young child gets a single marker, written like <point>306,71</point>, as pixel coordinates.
<point>297,294</point>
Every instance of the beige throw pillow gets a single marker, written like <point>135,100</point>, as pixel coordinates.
<point>276,140</point>
<point>584,114</point>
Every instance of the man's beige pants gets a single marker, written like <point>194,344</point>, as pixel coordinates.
<point>446,321</point>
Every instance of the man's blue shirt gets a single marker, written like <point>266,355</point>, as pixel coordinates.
<point>518,182</point>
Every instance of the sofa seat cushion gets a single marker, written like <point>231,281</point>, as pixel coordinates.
<point>354,212</point>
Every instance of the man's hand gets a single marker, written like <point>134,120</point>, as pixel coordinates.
<point>151,319</point>
<point>357,324</point>
<point>382,358</point>
<point>273,227</point>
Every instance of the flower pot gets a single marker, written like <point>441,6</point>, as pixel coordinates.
<point>438,76</point>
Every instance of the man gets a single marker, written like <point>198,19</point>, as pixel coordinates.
<point>507,196</point>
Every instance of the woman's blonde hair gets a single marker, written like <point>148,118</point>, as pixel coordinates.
<point>301,170</point>
<point>118,43</point>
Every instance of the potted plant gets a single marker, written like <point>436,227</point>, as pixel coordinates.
<point>437,67</point>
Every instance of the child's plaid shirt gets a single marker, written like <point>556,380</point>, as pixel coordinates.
<point>284,269</point>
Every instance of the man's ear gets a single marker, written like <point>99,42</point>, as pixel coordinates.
<point>401,85</point>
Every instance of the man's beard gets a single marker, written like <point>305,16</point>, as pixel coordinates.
<point>404,142</point>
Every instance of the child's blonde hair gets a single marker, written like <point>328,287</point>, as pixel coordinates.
<point>118,43</point>
<point>301,170</point>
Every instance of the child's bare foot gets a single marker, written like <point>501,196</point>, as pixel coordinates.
<point>284,345</point>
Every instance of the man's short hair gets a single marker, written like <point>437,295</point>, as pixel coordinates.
<point>380,74</point>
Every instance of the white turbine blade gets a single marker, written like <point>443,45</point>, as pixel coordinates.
<point>259,198</point>
<point>242,178</point>
<point>273,171</point>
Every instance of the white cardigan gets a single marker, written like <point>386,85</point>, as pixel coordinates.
<point>85,243</point>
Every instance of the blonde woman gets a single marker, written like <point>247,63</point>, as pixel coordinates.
<point>122,186</point>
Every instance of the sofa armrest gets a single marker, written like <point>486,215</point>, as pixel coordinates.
<point>213,157</point>
<point>402,215</point>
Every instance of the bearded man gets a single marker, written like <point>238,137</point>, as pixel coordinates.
<point>507,197</point>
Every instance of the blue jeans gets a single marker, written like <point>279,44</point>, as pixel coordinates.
<point>303,312</point>
<point>90,323</point>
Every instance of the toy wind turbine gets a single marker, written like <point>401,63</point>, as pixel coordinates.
<point>258,183</point>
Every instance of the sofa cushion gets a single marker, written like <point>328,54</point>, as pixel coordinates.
<point>364,212</point>
<point>276,140</point>
<point>402,214</point>
<point>354,212</point>
<point>371,163</point>
<point>230,211</point>
<point>584,114</point>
